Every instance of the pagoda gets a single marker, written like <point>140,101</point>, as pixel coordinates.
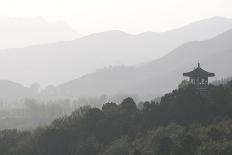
<point>199,78</point>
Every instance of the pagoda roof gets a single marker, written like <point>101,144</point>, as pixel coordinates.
<point>198,72</point>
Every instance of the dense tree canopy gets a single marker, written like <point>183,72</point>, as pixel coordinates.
<point>183,122</point>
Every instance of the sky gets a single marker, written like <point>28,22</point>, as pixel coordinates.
<point>132,16</point>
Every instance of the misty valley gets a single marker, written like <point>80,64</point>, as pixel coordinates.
<point>115,93</point>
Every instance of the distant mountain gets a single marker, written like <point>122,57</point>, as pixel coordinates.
<point>158,76</point>
<point>59,62</point>
<point>196,31</point>
<point>20,32</point>
<point>13,91</point>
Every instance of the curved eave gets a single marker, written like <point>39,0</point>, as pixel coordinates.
<point>191,74</point>
<point>211,75</point>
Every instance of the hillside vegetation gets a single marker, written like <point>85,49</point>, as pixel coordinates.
<point>183,122</point>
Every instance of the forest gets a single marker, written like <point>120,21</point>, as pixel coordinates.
<point>183,122</point>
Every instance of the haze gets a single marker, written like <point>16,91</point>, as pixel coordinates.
<point>133,16</point>
<point>58,55</point>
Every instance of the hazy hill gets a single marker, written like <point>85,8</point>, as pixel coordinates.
<point>158,76</point>
<point>183,123</point>
<point>13,91</point>
<point>59,62</point>
<point>20,32</point>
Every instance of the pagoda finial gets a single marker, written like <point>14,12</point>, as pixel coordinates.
<point>198,64</point>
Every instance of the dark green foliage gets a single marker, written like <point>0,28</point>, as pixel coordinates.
<point>137,152</point>
<point>165,146</point>
<point>215,135</point>
<point>183,122</point>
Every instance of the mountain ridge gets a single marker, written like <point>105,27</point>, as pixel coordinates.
<point>18,32</point>
<point>144,79</point>
<point>72,59</point>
